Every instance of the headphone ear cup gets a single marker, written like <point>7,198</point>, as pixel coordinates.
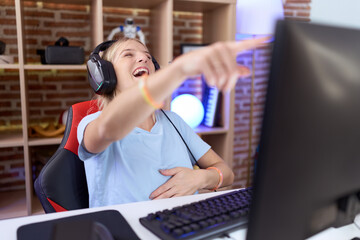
<point>156,64</point>
<point>95,76</point>
<point>110,79</point>
<point>101,75</point>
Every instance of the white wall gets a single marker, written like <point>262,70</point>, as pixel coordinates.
<point>345,13</point>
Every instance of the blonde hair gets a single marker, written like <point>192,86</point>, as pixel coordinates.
<point>110,55</point>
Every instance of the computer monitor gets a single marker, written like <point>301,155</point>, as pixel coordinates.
<point>308,169</point>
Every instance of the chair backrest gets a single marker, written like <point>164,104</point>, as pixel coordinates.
<point>61,184</point>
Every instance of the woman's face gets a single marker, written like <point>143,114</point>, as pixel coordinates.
<point>132,60</point>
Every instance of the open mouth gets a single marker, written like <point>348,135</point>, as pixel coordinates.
<point>138,72</point>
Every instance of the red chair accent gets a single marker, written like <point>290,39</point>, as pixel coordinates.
<point>61,184</point>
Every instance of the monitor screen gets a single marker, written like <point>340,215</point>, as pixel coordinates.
<point>308,169</point>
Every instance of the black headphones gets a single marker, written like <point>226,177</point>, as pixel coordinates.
<point>101,73</point>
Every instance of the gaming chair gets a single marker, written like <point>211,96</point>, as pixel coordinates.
<point>61,184</point>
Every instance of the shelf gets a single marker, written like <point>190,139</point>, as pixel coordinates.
<point>192,5</point>
<point>54,67</point>
<point>13,204</point>
<point>11,139</point>
<point>15,139</point>
<point>9,66</point>
<point>111,3</point>
<point>200,5</point>
<point>45,141</point>
<point>217,24</point>
<point>146,4</point>
<point>203,130</point>
<point>80,2</point>
<point>37,209</point>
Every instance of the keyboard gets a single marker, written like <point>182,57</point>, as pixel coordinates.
<point>211,217</point>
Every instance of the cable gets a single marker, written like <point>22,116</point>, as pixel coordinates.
<point>357,221</point>
<point>227,236</point>
<point>181,138</point>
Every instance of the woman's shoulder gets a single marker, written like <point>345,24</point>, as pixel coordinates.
<point>167,113</point>
<point>90,117</point>
<point>176,119</point>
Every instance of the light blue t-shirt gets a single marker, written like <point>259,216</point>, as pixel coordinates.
<point>128,169</point>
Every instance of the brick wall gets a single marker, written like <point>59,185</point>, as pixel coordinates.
<point>12,175</point>
<point>187,29</point>
<point>242,110</point>
<point>52,92</point>
<point>298,10</point>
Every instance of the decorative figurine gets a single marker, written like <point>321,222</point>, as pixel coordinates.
<point>129,31</point>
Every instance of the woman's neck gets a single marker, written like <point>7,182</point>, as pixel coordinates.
<point>148,123</point>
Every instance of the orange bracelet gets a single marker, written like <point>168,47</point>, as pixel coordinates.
<point>146,95</point>
<point>220,180</point>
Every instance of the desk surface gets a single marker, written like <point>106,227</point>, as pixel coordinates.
<point>133,211</point>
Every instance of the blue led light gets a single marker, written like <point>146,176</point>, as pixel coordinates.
<point>189,108</point>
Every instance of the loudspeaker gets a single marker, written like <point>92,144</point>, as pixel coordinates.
<point>101,73</point>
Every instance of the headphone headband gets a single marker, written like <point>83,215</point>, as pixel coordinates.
<point>103,46</point>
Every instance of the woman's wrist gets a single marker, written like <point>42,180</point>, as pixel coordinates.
<point>220,177</point>
<point>205,178</point>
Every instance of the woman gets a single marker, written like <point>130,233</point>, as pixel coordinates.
<point>130,150</point>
